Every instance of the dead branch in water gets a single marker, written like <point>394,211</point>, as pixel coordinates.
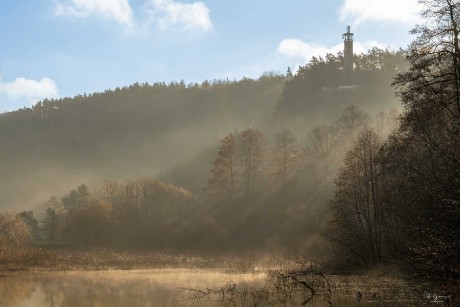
<point>294,287</point>
<point>301,282</point>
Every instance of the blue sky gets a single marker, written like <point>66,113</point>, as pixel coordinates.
<point>60,48</point>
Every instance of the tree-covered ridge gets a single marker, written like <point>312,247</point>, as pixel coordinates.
<point>141,106</point>
<point>142,129</point>
<point>322,85</point>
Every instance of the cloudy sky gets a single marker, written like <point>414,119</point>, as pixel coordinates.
<point>59,48</point>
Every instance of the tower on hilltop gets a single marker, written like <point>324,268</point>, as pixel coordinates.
<point>348,51</point>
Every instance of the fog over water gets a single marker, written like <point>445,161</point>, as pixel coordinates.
<point>169,287</point>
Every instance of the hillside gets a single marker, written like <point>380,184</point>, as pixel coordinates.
<point>140,130</point>
<point>321,90</point>
<point>172,133</point>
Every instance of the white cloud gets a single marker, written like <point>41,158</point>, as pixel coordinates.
<point>30,91</point>
<point>295,48</point>
<point>120,10</point>
<point>170,14</point>
<point>301,52</point>
<point>399,11</point>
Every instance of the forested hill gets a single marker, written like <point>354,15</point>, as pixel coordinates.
<point>172,131</point>
<point>321,89</point>
<point>140,130</point>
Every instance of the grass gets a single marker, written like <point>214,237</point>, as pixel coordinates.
<point>57,257</point>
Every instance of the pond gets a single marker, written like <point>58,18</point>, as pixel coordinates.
<point>175,287</point>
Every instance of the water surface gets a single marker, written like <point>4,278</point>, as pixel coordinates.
<point>176,287</point>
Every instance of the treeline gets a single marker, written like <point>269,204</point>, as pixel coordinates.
<point>397,198</point>
<point>121,214</point>
<point>128,214</point>
<point>141,108</point>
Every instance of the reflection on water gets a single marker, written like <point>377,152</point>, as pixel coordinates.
<point>158,287</point>
<point>110,288</point>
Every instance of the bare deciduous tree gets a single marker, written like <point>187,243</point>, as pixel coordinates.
<point>251,155</point>
<point>357,205</point>
<point>224,174</point>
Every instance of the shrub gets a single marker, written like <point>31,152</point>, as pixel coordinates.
<point>14,232</point>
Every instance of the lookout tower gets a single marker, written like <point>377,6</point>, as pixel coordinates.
<point>348,51</point>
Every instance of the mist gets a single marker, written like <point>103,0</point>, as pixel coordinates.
<point>311,165</point>
<point>172,133</point>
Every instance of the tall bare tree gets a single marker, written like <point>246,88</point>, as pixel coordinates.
<point>251,156</point>
<point>225,171</point>
<point>285,156</point>
<point>430,90</point>
<point>357,205</point>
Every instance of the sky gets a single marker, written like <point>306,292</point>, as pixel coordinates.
<point>63,48</point>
